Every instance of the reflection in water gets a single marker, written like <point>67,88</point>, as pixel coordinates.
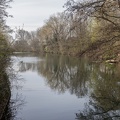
<point>17,100</point>
<point>14,106</point>
<point>62,73</point>
<point>104,100</point>
<point>100,82</point>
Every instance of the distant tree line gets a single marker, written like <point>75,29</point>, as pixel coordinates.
<point>89,27</point>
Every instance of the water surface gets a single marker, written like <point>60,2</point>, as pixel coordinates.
<point>58,87</point>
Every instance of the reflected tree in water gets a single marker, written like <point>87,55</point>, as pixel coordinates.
<point>14,107</point>
<point>100,82</point>
<point>104,101</point>
<point>16,101</point>
<point>62,73</point>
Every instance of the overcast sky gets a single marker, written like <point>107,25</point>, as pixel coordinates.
<point>32,13</point>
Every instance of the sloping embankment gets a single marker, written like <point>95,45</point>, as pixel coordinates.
<point>4,92</point>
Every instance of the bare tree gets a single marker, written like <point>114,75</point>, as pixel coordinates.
<point>4,4</point>
<point>104,12</point>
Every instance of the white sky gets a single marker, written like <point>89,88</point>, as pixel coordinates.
<point>32,13</point>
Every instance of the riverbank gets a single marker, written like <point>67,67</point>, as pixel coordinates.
<point>74,52</point>
<point>4,93</point>
<point>73,48</point>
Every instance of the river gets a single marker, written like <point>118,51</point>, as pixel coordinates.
<point>57,87</point>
